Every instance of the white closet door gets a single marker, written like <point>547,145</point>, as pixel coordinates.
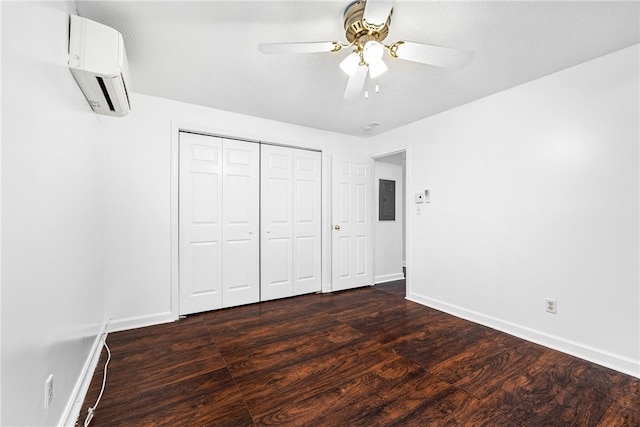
<point>352,235</point>
<point>241,223</point>
<point>200,223</point>
<point>277,222</point>
<point>306,221</point>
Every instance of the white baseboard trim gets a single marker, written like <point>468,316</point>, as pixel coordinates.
<point>388,278</point>
<point>141,321</point>
<point>74,405</point>
<point>610,360</point>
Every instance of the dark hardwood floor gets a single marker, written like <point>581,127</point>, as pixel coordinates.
<point>365,357</point>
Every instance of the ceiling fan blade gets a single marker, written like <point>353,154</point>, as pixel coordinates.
<point>376,12</point>
<point>356,83</point>
<point>431,55</point>
<point>303,47</point>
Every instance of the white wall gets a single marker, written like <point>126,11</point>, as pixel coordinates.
<point>388,235</point>
<point>535,195</point>
<point>53,306</point>
<point>139,201</point>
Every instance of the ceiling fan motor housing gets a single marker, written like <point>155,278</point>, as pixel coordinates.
<point>357,31</point>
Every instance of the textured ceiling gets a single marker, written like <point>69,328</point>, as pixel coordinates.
<point>205,52</point>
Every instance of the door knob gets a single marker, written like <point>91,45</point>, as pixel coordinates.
<point>337,227</point>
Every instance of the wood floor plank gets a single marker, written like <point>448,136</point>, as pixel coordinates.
<point>620,415</point>
<point>358,401</point>
<point>247,360</point>
<point>487,372</point>
<point>445,339</point>
<point>376,304</point>
<point>394,323</point>
<point>362,357</point>
<point>428,401</point>
<point>523,396</point>
<point>605,380</point>
<point>212,396</point>
<point>461,409</point>
<point>266,332</point>
<point>574,405</point>
<point>397,288</point>
<point>628,394</point>
<point>271,388</point>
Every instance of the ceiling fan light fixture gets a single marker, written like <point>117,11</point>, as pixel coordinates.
<point>372,52</point>
<point>377,68</point>
<point>366,25</point>
<point>350,64</point>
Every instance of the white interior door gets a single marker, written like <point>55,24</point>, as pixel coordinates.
<point>352,234</point>
<point>307,227</point>
<point>224,234</point>
<point>276,183</point>
<point>291,222</point>
<point>219,208</point>
<point>241,223</point>
<point>200,223</point>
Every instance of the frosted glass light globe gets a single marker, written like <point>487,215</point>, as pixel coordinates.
<point>372,52</point>
<point>350,64</point>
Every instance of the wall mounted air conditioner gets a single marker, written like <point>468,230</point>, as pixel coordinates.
<point>98,62</point>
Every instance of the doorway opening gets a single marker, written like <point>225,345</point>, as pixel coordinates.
<point>390,219</point>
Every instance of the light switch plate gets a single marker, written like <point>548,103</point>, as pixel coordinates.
<point>427,196</point>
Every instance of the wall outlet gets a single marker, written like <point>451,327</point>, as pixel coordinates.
<point>48,392</point>
<point>552,306</point>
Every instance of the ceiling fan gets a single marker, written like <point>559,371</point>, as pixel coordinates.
<point>366,24</point>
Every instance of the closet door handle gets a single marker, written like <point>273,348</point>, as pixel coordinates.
<point>337,227</point>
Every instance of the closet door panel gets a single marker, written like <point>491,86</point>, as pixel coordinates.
<point>241,223</point>
<point>307,221</point>
<point>277,222</point>
<point>200,225</point>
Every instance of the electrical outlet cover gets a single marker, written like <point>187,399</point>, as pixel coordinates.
<point>552,306</point>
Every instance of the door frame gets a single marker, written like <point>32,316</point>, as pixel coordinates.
<point>408,207</point>
<point>178,126</point>
<point>378,222</point>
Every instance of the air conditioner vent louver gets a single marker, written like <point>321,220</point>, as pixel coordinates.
<point>105,93</point>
